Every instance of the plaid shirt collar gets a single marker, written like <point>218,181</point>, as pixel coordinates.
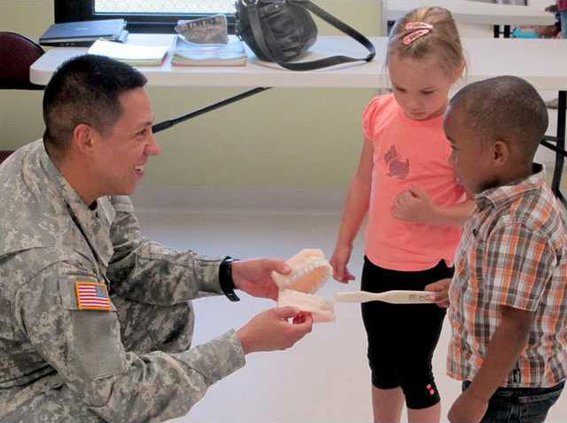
<point>500,196</point>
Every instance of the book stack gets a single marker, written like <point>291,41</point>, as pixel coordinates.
<point>134,55</point>
<point>193,54</point>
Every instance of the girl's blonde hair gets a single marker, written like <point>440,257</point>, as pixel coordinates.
<point>441,41</point>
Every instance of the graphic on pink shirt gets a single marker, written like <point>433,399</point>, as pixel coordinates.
<point>396,166</point>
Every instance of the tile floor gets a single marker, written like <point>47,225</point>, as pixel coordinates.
<point>324,378</point>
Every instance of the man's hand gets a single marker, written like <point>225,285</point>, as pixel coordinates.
<point>271,329</point>
<point>440,292</point>
<point>339,261</point>
<point>414,205</point>
<point>467,409</point>
<point>254,276</point>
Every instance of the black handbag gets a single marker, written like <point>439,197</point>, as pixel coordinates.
<point>282,31</point>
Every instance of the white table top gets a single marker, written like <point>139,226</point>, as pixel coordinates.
<point>540,61</point>
<point>475,12</point>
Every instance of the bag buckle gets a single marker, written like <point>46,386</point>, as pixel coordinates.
<point>248,3</point>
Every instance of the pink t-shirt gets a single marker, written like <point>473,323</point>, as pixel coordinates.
<point>408,153</point>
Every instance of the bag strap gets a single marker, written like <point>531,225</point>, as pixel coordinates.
<point>278,56</point>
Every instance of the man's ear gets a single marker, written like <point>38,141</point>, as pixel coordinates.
<point>500,153</point>
<point>83,138</point>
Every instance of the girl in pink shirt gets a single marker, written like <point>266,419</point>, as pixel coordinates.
<point>415,206</point>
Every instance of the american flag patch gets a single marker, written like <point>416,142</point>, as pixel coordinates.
<point>92,296</point>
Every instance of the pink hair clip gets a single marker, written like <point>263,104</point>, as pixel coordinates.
<point>416,30</point>
<point>412,36</point>
<point>411,26</point>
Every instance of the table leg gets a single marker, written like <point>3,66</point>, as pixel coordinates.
<point>506,33</point>
<point>390,25</point>
<point>496,31</point>
<point>169,123</point>
<point>560,143</point>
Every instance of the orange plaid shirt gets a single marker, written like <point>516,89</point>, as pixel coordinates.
<point>513,253</point>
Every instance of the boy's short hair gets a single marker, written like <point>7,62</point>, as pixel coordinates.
<point>504,108</point>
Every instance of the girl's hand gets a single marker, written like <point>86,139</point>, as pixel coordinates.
<point>339,261</point>
<point>414,205</point>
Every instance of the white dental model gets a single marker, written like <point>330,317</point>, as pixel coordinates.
<point>309,271</point>
<point>321,310</point>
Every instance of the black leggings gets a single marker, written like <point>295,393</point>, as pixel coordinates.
<point>402,337</point>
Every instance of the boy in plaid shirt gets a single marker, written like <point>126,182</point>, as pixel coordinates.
<point>508,297</point>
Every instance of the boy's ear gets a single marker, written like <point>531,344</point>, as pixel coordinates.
<point>500,153</point>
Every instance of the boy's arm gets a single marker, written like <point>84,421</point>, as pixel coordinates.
<point>508,341</point>
<point>415,205</point>
<point>456,215</point>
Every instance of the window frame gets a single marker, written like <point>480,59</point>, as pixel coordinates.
<point>83,10</point>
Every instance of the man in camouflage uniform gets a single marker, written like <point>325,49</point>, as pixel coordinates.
<point>95,320</point>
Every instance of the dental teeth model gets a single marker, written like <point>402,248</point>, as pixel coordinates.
<point>321,310</point>
<point>309,270</point>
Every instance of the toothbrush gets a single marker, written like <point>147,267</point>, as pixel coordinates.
<point>393,297</point>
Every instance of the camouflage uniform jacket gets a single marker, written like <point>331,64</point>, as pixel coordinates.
<point>50,242</point>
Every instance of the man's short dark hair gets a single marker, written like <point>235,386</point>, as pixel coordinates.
<point>86,89</point>
<point>504,108</point>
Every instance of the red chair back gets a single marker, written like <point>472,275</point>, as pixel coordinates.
<point>17,54</point>
<point>4,154</point>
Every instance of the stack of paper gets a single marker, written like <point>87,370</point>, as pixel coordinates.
<point>135,55</point>
<point>192,54</point>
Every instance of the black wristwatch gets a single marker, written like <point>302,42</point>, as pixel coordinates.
<point>225,279</point>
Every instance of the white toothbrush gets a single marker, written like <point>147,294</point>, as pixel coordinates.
<point>393,297</point>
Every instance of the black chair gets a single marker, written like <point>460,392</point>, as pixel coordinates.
<point>17,54</point>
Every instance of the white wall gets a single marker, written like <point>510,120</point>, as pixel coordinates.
<point>284,149</point>
<point>283,140</point>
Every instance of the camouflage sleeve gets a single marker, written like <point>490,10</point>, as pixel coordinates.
<point>80,338</point>
<point>146,271</point>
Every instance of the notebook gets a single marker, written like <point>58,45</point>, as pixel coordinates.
<point>133,54</point>
<point>84,33</point>
<point>192,54</point>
